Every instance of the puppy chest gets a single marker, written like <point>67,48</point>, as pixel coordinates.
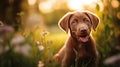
<point>81,52</point>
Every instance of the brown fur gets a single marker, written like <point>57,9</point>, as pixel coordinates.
<point>80,48</point>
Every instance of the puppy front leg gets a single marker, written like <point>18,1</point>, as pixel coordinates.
<point>66,62</point>
<point>68,59</point>
<point>60,55</point>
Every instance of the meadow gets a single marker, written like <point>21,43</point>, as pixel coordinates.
<point>30,35</point>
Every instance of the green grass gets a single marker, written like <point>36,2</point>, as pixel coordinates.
<point>52,43</point>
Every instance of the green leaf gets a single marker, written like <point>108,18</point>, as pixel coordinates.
<point>107,30</point>
<point>97,7</point>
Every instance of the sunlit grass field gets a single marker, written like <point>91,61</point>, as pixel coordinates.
<point>54,40</point>
<point>33,49</point>
<point>30,35</point>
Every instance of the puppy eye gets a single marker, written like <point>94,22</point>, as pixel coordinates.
<point>86,20</point>
<point>75,21</point>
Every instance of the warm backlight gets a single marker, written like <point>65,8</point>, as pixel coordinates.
<point>78,4</point>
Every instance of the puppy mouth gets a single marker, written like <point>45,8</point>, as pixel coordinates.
<point>83,38</point>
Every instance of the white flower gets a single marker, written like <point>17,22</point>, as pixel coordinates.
<point>25,49</point>
<point>40,64</point>
<point>41,48</point>
<point>37,42</point>
<point>17,39</point>
<point>44,33</point>
<point>6,31</point>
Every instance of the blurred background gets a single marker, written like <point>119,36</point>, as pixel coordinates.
<point>30,36</point>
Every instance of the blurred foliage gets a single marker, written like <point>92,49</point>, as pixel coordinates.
<point>23,49</point>
<point>108,32</point>
<point>26,42</point>
<point>53,17</point>
<point>9,10</point>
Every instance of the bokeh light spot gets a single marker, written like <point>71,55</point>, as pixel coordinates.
<point>115,3</point>
<point>79,4</point>
<point>31,2</point>
<point>46,6</point>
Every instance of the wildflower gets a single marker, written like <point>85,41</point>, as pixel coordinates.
<point>6,28</point>
<point>37,42</point>
<point>44,33</point>
<point>40,64</point>
<point>25,50</point>
<point>41,48</point>
<point>5,31</point>
<point>18,39</point>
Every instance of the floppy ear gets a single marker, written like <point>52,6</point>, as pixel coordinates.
<point>93,18</point>
<point>64,22</point>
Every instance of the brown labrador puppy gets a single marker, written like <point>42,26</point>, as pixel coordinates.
<point>80,49</point>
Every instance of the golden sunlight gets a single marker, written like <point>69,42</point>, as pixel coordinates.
<point>46,6</point>
<point>79,4</point>
<point>31,2</point>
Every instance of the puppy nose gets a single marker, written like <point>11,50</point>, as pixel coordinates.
<point>83,30</point>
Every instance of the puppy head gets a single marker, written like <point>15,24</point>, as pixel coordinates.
<point>79,24</point>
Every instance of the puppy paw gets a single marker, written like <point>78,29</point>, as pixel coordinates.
<point>57,58</point>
